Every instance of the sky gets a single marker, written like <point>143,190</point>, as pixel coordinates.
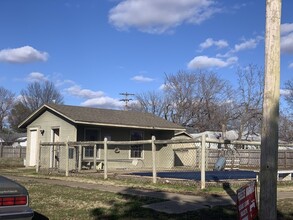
<point>94,50</point>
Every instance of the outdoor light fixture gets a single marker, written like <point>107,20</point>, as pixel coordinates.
<point>42,131</point>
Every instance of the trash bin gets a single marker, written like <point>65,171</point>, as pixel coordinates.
<point>220,164</point>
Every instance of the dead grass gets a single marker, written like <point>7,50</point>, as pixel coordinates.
<point>11,162</point>
<point>60,202</point>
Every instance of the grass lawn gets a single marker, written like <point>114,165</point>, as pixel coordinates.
<point>61,202</point>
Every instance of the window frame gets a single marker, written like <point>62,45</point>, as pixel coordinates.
<point>91,148</point>
<point>141,151</point>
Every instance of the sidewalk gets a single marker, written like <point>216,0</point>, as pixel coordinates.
<point>177,203</point>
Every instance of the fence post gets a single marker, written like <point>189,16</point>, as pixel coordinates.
<point>38,158</point>
<point>66,159</point>
<point>1,150</point>
<point>20,151</point>
<point>285,158</point>
<point>203,160</point>
<point>154,160</point>
<point>79,157</point>
<point>95,157</point>
<point>105,159</point>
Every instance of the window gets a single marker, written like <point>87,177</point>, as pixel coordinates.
<point>89,151</point>
<point>136,151</point>
<point>71,153</point>
<point>91,134</point>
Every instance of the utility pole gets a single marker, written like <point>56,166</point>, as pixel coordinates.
<point>269,137</point>
<point>126,99</point>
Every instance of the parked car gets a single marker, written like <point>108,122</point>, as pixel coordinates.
<point>14,200</point>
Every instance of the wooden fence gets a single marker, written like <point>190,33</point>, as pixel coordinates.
<point>12,152</point>
<point>202,154</point>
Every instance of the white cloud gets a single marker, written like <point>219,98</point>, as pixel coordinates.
<point>248,44</point>
<point>83,93</point>
<point>36,76</point>
<point>103,102</point>
<point>286,28</point>
<point>285,92</point>
<point>162,87</point>
<point>93,98</point>
<point>244,45</point>
<point>159,16</point>
<point>291,65</point>
<point>26,54</point>
<point>209,42</point>
<point>201,62</point>
<point>141,78</point>
<point>287,38</point>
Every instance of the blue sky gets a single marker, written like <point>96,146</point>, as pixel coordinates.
<point>93,50</point>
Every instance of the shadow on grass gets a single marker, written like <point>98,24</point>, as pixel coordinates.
<point>230,191</point>
<point>39,216</point>
<point>135,199</point>
<point>233,195</point>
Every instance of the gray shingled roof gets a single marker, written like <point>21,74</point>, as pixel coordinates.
<point>107,117</point>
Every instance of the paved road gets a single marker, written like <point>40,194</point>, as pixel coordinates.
<point>177,203</point>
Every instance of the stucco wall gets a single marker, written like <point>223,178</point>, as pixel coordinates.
<point>46,122</point>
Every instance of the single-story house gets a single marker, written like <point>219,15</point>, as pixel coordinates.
<point>61,123</point>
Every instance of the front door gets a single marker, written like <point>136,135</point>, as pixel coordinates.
<point>33,147</point>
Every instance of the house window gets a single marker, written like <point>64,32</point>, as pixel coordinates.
<point>136,151</point>
<point>91,134</point>
<point>70,153</point>
<point>89,151</point>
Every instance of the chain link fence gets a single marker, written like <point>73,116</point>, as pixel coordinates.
<point>199,160</point>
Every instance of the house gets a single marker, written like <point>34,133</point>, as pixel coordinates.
<point>20,142</point>
<point>61,123</point>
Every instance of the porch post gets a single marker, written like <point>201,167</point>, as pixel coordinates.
<point>105,159</point>
<point>79,157</point>
<point>154,160</point>
<point>95,157</point>
<point>66,159</point>
<point>203,161</point>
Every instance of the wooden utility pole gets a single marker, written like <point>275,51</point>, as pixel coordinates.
<point>126,99</point>
<point>269,140</point>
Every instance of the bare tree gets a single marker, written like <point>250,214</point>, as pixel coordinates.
<point>38,93</point>
<point>213,104</point>
<point>17,114</point>
<point>180,93</point>
<point>151,102</point>
<point>289,89</point>
<point>286,127</point>
<point>198,101</point>
<point>6,103</point>
<point>248,109</point>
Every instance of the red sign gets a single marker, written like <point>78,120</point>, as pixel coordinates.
<point>246,202</point>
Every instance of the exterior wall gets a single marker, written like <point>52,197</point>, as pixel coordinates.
<point>165,157</point>
<point>119,156</point>
<point>184,154</point>
<point>48,121</point>
<point>118,159</point>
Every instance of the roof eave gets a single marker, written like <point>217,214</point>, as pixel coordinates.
<point>130,126</point>
<point>45,106</point>
<point>29,119</point>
